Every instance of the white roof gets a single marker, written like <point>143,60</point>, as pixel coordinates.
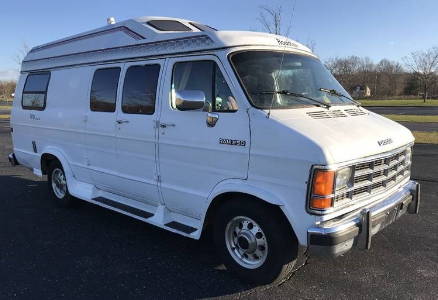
<point>135,38</point>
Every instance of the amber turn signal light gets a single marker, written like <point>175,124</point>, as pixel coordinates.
<point>322,189</point>
<point>323,181</point>
<point>320,203</point>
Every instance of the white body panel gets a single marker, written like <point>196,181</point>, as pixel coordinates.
<point>175,172</point>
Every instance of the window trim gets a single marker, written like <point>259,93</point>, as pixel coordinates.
<point>117,89</point>
<point>156,89</point>
<point>213,110</point>
<point>40,93</point>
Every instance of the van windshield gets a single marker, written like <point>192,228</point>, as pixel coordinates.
<point>281,80</point>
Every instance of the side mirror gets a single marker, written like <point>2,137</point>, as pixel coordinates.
<point>190,100</point>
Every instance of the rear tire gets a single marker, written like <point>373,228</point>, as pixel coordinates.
<point>57,182</point>
<point>255,240</point>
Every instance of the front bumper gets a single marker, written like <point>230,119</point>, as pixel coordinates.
<point>356,229</point>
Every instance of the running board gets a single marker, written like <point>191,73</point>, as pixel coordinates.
<point>124,207</point>
<point>181,227</point>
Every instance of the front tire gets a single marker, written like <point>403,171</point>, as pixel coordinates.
<point>255,241</point>
<point>57,182</point>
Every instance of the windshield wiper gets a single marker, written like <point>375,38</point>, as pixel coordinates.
<point>339,94</point>
<point>289,93</point>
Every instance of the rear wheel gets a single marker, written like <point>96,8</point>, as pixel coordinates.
<point>255,241</point>
<point>57,182</point>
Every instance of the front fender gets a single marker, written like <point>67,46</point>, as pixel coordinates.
<point>243,186</point>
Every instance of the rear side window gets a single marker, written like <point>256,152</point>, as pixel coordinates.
<point>104,90</point>
<point>35,91</point>
<point>140,89</point>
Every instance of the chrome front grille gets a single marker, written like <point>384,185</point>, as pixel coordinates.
<point>372,177</point>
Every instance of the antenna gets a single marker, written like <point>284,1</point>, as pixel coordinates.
<point>282,58</point>
<point>110,20</point>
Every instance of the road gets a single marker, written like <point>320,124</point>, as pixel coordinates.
<point>88,252</point>
<point>400,110</point>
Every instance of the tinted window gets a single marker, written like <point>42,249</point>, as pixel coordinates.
<point>204,76</point>
<point>35,91</point>
<point>104,90</point>
<point>168,25</point>
<point>139,89</point>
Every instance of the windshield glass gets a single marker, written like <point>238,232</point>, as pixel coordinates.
<point>277,79</point>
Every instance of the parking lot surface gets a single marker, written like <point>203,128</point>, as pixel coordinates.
<point>404,110</point>
<point>88,252</point>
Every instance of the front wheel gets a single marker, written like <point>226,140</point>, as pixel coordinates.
<point>255,241</point>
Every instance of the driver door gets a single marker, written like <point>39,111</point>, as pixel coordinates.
<point>194,156</point>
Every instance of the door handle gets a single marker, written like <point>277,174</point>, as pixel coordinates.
<point>165,125</point>
<point>122,121</point>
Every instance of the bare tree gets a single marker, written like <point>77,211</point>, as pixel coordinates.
<point>424,65</point>
<point>21,54</point>
<point>311,44</point>
<point>270,19</point>
<point>6,89</point>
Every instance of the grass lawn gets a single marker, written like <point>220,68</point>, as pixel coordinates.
<point>410,102</point>
<point>413,118</point>
<point>423,137</point>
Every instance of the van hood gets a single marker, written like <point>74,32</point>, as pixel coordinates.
<point>345,133</point>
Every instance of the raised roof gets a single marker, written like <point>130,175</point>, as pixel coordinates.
<point>142,37</point>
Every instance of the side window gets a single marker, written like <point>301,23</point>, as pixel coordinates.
<point>35,91</point>
<point>104,90</point>
<point>206,77</point>
<point>139,89</point>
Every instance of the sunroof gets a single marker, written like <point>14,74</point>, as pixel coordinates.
<point>202,27</point>
<point>168,25</point>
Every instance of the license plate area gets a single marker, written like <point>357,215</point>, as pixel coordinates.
<point>372,224</point>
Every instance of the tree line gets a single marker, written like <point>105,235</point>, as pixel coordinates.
<point>6,89</point>
<point>416,75</point>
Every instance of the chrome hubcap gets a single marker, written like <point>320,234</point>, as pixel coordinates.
<point>246,242</point>
<point>59,184</point>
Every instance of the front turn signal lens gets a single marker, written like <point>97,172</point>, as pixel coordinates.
<point>322,189</point>
<point>323,182</point>
<point>320,203</point>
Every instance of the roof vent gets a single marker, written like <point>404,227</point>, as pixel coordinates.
<point>110,20</point>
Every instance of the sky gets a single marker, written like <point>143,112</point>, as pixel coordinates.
<point>374,28</point>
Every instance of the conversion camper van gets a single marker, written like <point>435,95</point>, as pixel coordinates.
<point>186,127</point>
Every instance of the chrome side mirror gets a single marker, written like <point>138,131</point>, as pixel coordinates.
<point>189,100</point>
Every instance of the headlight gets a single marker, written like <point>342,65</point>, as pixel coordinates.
<point>344,178</point>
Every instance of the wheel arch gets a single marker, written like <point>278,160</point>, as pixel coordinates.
<point>49,154</point>
<point>231,190</point>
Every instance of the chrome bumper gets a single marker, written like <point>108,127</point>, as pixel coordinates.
<point>12,160</point>
<point>356,229</point>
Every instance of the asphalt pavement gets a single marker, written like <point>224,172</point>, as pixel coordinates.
<point>418,126</point>
<point>404,110</point>
<point>89,252</point>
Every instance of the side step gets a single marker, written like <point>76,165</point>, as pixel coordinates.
<point>124,207</point>
<point>181,227</point>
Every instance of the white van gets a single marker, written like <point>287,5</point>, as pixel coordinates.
<point>182,126</point>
